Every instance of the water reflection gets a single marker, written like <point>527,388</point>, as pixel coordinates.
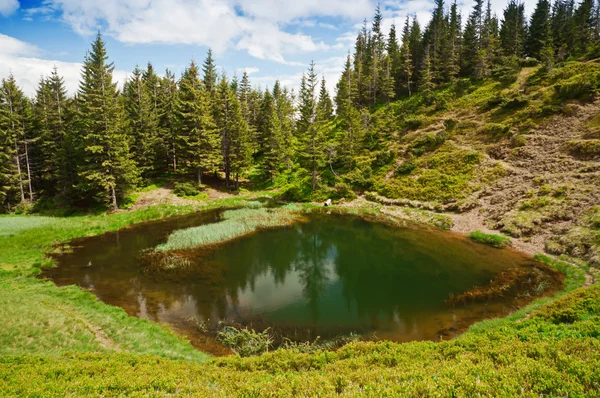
<point>329,276</point>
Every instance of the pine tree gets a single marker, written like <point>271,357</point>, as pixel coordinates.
<point>199,146</point>
<point>10,182</point>
<point>106,170</point>
<point>437,41</point>
<point>415,44</point>
<point>562,26</point>
<point>394,61</point>
<point>584,27</point>
<point>19,124</point>
<point>233,129</point>
<point>284,105</point>
<point>209,75</point>
<point>426,84</point>
<point>309,134</point>
<point>270,128</point>
<point>142,123</point>
<point>513,29</point>
<point>53,154</point>
<point>451,53</point>
<point>167,121</point>
<point>325,105</point>
<point>472,54</point>
<point>539,29</point>
<point>406,58</point>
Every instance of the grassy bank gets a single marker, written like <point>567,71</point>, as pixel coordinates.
<point>236,223</point>
<point>555,352</point>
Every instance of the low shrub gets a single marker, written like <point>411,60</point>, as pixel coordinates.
<point>493,240</point>
<point>406,167</point>
<point>494,129</point>
<point>584,148</point>
<point>577,87</point>
<point>183,189</point>
<point>245,342</point>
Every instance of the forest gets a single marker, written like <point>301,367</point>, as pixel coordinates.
<point>94,147</point>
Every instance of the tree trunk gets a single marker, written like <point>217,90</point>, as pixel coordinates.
<point>114,198</point>
<point>19,172</point>
<point>199,176</point>
<point>28,173</point>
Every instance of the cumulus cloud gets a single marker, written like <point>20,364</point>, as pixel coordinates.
<point>255,26</point>
<point>8,7</point>
<point>24,61</point>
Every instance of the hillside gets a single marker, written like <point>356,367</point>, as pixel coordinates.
<point>521,159</point>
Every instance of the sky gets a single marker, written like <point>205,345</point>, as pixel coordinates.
<point>269,39</point>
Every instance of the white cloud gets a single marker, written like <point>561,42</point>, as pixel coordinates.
<point>8,7</point>
<point>249,70</point>
<point>288,10</point>
<point>254,25</point>
<point>23,61</point>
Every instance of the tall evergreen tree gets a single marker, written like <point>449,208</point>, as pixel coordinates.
<point>167,119</point>
<point>406,58</point>
<point>199,146</point>
<point>513,29</point>
<point>394,60</point>
<point>142,122</point>
<point>106,170</point>
<point>539,29</point>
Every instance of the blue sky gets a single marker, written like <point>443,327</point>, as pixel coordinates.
<point>271,39</point>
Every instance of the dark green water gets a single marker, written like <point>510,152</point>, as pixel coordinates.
<point>329,276</point>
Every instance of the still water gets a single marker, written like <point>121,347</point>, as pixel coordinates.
<point>330,276</point>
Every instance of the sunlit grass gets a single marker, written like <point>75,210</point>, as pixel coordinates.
<point>235,223</point>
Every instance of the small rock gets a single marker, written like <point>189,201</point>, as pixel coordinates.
<point>327,203</point>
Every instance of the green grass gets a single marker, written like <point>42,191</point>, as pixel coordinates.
<point>493,240</point>
<point>554,352</point>
<point>236,223</point>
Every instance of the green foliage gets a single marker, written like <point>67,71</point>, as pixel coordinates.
<point>581,86</point>
<point>406,167</point>
<point>493,240</point>
<point>494,130</point>
<point>584,148</point>
<point>184,189</point>
<point>245,342</point>
<point>443,175</point>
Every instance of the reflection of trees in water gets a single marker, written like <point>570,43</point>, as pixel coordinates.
<point>314,251</point>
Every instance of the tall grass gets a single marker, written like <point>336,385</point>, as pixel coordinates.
<point>493,240</point>
<point>236,223</point>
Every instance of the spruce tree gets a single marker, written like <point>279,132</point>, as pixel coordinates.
<point>270,127</point>
<point>106,170</point>
<point>406,58</point>
<point>209,75</point>
<point>539,29</point>
<point>199,145</point>
<point>53,154</point>
<point>513,30</point>
<point>309,133</point>
<point>167,121</point>
<point>394,61</point>
<point>142,123</point>
<point>10,183</point>
<point>20,129</point>
<point>451,52</point>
